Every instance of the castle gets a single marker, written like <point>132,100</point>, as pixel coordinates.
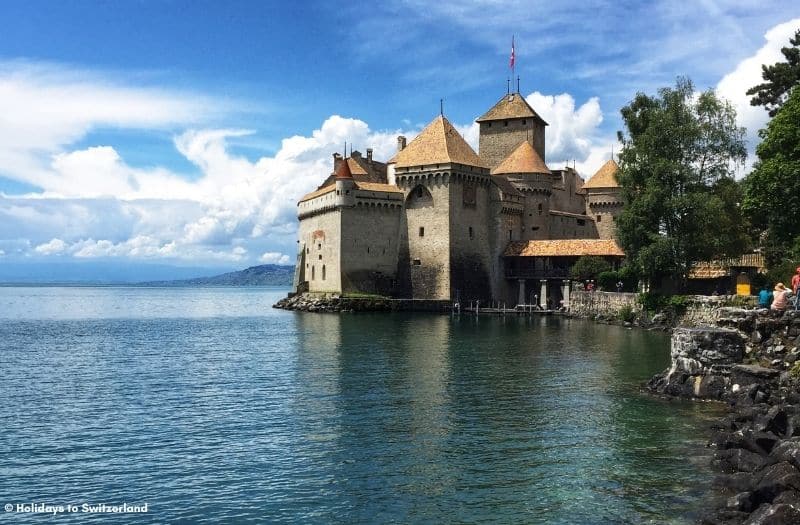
<point>439,221</point>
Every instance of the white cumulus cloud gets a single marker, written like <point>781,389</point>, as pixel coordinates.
<point>274,258</point>
<point>747,74</point>
<point>53,247</point>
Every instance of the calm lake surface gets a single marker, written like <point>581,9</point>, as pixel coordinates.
<point>211,407</point>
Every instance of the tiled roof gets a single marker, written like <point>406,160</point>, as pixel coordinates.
<point>564,248</point>
<point>355,167</point>
<point>605,176</point>
<point>523,159</point>
<point>510,106</point>
<point>715,269</point>
<point>314,194</point>
<point>375,186</point>
<point>344,170</point>
<point>502,182</point>
<point>438,143</point>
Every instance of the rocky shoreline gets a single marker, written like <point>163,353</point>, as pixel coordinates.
<point>322,302</point>
<point>751,361</point>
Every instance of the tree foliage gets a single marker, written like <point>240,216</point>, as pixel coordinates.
<point>779,79</point>
<point>772,189</point>
<point>676,176</point>
<point>589,267</point>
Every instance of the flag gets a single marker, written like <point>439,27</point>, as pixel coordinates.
<point>511,60</point>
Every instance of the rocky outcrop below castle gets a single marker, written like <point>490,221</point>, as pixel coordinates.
<point>750,359</point>
<point>322,302</point>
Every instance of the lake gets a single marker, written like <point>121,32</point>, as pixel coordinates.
<point>209,406</point>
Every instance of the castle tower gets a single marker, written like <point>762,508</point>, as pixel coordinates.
<point>603,200</point>
<point>510,121</point>
<point>446,187</point>
<point>526,170</point>
<point>345,185</point>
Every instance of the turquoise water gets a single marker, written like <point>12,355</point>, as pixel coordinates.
<point>211,407</point>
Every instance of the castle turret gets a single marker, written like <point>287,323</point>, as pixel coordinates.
<point>447,205</point>
<point>511,121</point>
<point>526,170</point>
<point>345,185</point>
<point>603,199</point>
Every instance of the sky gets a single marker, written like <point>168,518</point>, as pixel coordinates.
<point>182,133</point>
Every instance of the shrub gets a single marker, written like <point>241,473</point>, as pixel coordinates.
<point>795,370</point>
<point>589,267</point>
<point>608,280</point>
<point>627,314</point>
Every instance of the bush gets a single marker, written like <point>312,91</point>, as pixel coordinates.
<point>795,370</point>
<point>627,314</point>
<point>672,305</point>
<point>608,280</point>
<point>589,267</point>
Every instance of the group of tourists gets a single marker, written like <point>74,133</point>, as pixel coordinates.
<point>781,298</point>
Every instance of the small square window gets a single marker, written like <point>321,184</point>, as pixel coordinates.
<point>599,218</point>
<point>319,246</point>
<point>320,257</point>
<point>471,233</point>
<point>422,231</point>
<point>416,262</point>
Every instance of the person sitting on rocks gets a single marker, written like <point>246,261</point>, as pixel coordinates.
<point>780,300</point>
<point>764,298</point>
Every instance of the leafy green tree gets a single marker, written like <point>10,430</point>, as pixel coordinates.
<point>779,78</point>
<point>772,189</point>
<point>676,176</point>
<point>589,267</point>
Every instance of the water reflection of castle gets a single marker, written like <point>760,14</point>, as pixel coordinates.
<point>439,221</point>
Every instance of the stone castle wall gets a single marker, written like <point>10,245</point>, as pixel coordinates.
<point>370,249</point>
<point>320,236</point>
<point>469,238</point>
<point>500,137</point>
<point>602,304</point>
<point>604,207</point>
<point>427,260</point>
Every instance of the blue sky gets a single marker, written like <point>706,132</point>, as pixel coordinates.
<point>178,132</point>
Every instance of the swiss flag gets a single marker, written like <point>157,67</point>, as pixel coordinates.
<point>511,60</point>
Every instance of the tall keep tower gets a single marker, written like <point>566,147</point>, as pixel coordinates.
<point>603,200</point>
<point>446,188</point>
<point>510,122</point>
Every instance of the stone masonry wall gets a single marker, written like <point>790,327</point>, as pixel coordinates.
<point>428,259</point>
<point>321,236</point>
<point>370,249</point>
<point>500,137</point>
<point>469,238</point>
<point>602,304</point>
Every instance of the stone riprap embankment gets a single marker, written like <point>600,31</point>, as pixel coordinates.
<point>318,302</point>
<point>748,360</point>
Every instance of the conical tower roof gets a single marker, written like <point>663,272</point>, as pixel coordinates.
<point>605,177</point>
<point>438,143</point>
<point>523,159</point>
<point>344,170</point>
<point>512,105</point>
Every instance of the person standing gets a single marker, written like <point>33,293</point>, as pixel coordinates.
<point>796,280</point>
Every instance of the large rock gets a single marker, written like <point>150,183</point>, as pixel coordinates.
<point>701,361</point>
<point>744,375</point>
<point>779,514</point>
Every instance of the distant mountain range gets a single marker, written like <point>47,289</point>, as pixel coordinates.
<point>262,275</point>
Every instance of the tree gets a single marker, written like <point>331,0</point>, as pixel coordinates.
<point>779,78</point>
<point>772,189</point>
<point>676,176</point>
<point>589,267</point>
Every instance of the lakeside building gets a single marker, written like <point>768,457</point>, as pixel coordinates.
<point>440,221</point>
